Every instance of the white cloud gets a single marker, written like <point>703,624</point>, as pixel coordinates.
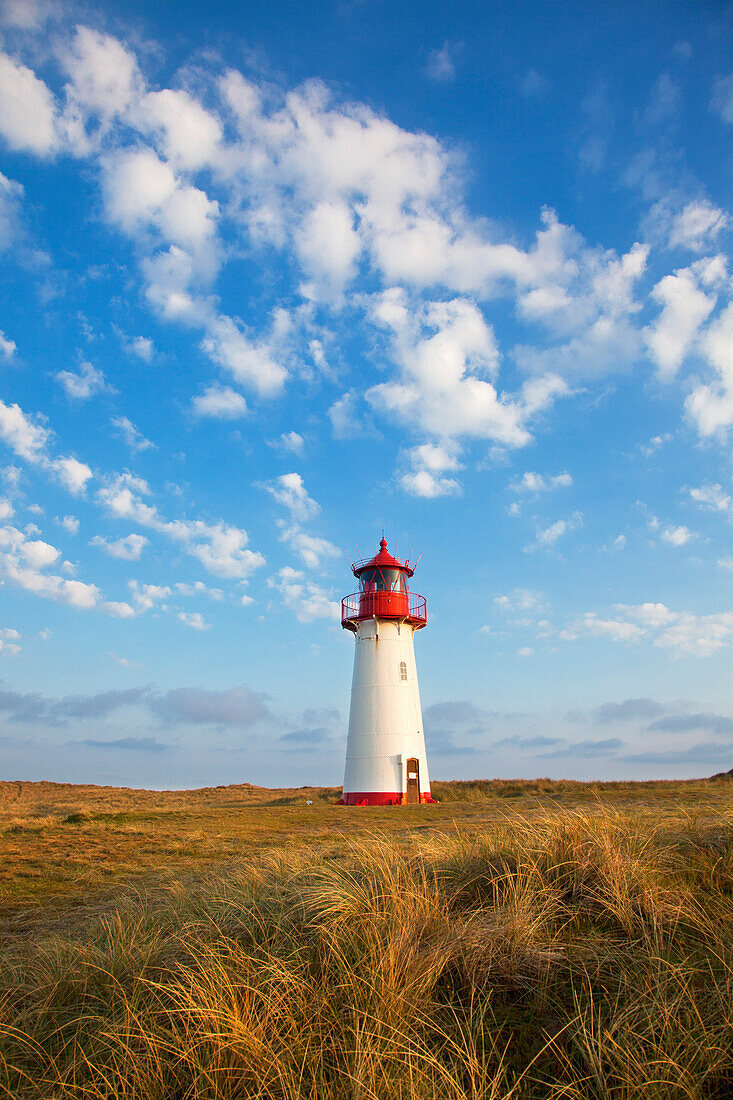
<point>72,474</point>
<point>677,536</point>
<point>684,309</point>
<point>194,619</point>
<point>290,491</point>
<point>711,406</point>
<point>525,651</point>
<point>25,437</point>
<point>220,547</point>
<point>142,193</point>
<point>219,403</point>
<point>23,562</point>
<point>713,497</point>
<point>447,354</point>
<point>104,77</point>
<point>289,441</point>
<point>11,194</point>
<point>314,551</point>
<point>86,382</point>
<point>29,439</point>
<point>421,483</point>
<point>548,536</point>
<point>654,444</point>
<point>131,435</point>
<point>27,14</point>
<point>344,419</point>
<point>429,463</point>
<point>250,362</point>
<point>441,63</point>
<point>148,596</point>
<point>521,599</point>
<point>189,135</point>
<point>616,629</point>
<point>329,246</point>
<point>127,549</point>
<point>6,508</point>
<point>27,109</point>
<point>199,588</point>
<point>143,347</point>
<point>9,642</point>
<point>309,601</point>
<point>684,633</point>
<point>531,482</point>
<point>697,225</point>
<point>8,347</point>
<point>70,524</point>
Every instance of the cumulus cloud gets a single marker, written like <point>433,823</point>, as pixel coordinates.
<point>697,225</point>
<point>713,497</point>
<point>28,114</point>
<point>70,524</point>
<point>711,406</point>
<point>127,549</point>
<point>220,547</point>
<point>290,491</point>
<point>547,536</point>
<point>685,306</point>
<point>29,439</point>
<point>8,347</point>
<point>307,599</point>
<point>25,562</point>
<point>82,384</point>
<point>682,632</point>
<point>531,482</point>
<point>131,435</point>
<point>677,536</point>
<point>251,362</point>
<point>219,403</point>
<point>311,549</point>
<point>194,619</point>
<point>429,462</point>
<point>290,441</point>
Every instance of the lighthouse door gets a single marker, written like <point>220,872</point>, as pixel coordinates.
<point>413,780</point>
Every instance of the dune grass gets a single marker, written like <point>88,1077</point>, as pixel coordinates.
<point>569,954</point>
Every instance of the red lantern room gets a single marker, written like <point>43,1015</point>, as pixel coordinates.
<point>383,592</point>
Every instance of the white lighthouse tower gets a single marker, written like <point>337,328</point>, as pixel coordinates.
<point>385,752</point>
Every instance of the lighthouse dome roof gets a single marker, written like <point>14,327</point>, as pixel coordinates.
<point>383,560</point>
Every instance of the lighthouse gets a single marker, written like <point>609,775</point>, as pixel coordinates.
<point>386,764</point>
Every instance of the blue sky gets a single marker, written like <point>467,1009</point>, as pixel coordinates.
<point>275,276</point>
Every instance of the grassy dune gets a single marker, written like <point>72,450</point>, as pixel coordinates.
<point>527,940</point>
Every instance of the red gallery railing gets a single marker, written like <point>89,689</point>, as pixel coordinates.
<point>387,605</point>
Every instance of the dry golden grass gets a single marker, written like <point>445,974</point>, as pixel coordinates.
<point>542,941</point>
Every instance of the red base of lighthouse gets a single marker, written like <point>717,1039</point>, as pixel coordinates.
<point>380,798</point>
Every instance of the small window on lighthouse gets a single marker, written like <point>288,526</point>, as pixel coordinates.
<point>403,670</point>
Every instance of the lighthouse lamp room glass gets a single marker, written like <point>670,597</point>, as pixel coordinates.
<point>386,764</point>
